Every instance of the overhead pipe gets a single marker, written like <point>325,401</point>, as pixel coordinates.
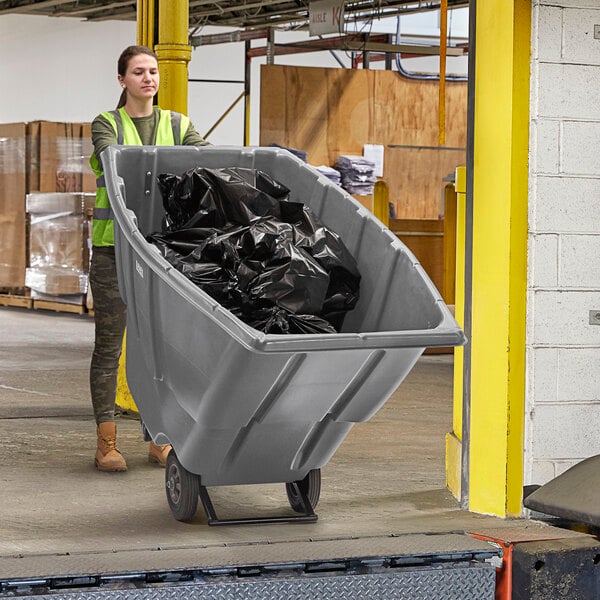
<point>354,42</point>
<point>421,76</point>
<point>230,37</point>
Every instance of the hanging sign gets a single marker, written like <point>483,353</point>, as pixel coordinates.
<point>325,16</point>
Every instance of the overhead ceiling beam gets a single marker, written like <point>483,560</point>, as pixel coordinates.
<point>124,14</point>
<point>79,10</point>
<point>364,8</point>
<point>239,35</point>
<point>376,43</point>
<point>34,6</point>
<point>231,13</point>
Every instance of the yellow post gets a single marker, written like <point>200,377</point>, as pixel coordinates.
<point>124,399</point>
<point>454,438</point>
<point>145,37</point>
<point>450,225</point>
<point>145,23</point>
<point>174,54</point>
<point>381,202</point>
<point>499,256</point>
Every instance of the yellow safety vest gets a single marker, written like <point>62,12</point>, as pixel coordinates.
<point>171,126</point>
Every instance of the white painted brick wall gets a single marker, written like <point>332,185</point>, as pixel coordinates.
<point>544,260</point>
<point>545,149</point>
<point>562,431</point>
<point>566,205</point>
<point>552,371</point>
<point>561,318</point>
<point>543,375</point>
<point>581,365</point>
<point>569,3</point>
<point>579,266</point>
<point>565,91</point>
<point>549,23</point>
<point>580,146</point>
<point>563,349</point>
<point>579,45</point>
<point>545,470</point>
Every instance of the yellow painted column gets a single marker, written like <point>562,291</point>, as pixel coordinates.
<point>145,37</point>
<point>498,300</point>
<point>145,23</point>
<point>174,54</point>
<point>454,438</point>
<point>381,202</point>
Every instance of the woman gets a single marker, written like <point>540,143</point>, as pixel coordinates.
<point>135,122</point>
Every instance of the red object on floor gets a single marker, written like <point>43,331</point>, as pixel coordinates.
<point>503,573</point>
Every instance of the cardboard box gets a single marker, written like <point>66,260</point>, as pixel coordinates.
<point>39,156</point>
<point>59,242</point>
<point>88,180</point>
<point>59,155</point>
<point>13,182</point>
<point>56,299</point>
<point>54,281</point>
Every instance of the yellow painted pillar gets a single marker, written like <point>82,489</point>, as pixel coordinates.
<point>145,23</point>
<point>454,438</point>
<point>145,37</point>
<point>499,256</point>
<point>381,202</point>
<point>174,54</point>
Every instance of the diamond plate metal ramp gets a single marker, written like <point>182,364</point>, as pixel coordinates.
<point>410,567</point>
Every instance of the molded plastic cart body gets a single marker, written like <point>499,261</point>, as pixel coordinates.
<point>237,405</point>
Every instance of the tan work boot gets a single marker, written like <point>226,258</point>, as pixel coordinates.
<point>108,457</point>
<point>158,454</point>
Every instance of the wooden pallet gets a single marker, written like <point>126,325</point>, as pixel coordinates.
<point>59,307</point>
<point>15,300</point>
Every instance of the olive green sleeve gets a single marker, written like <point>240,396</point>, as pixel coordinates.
<point>103,134</point>
<point>193,138</point>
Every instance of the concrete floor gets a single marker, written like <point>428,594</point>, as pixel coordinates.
<point>386,479</point>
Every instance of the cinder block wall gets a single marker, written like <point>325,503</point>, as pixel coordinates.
<point>563,348</point>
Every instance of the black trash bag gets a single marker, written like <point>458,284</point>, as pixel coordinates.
<point>290,279</point>
<point>277,320</point>
<point>260,260</point>
<point>269,261</point>
<point>216,197</point>
<point>215,280</point>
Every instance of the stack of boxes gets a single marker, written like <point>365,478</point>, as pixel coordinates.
<point>13,187</point>
<point>59,249</point>
<point>46,201</point>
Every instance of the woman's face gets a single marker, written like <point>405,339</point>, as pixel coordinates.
<point>141,78</point>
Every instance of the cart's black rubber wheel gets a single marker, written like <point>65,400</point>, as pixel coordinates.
<point>182,489</point>
<point>310,485</point>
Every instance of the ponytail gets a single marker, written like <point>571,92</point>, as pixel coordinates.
<point>122,99</point>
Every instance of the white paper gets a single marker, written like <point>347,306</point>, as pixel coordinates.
<point>374,153</point>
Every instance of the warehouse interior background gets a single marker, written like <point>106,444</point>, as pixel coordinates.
<point>517,163</point>
<point>535,134</point>
<point>71,64</point>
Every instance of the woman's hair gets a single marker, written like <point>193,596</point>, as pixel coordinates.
<point>123,63</point>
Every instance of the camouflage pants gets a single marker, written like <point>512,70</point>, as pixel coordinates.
<point>109,317</point>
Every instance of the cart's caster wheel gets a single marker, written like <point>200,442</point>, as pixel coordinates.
<point>310,486</point>
<point>182,488</point>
